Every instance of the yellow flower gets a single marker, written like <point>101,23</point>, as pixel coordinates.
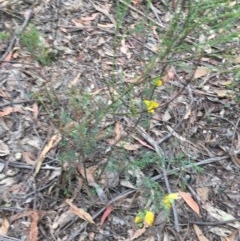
<point>149,218</point>
<point>157,82</point>
<point>151,105</point>
<point>169,199</point>
<point>138,219</point>
<point>144,217</point>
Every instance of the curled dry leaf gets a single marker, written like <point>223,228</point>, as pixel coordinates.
<point>51,143</point>
<point>80,212</point>
<point>8,110</point>
<point>29,158</point>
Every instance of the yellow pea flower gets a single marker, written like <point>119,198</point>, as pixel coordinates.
<point>169,199</point>
<point>157,82</point>
<point>149,218</point>
<point>138,219</point>
<point>144,217</point>
<point>151,105</point>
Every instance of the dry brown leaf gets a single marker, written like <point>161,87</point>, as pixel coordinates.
<point>8,110</point>
<point>33,229</point>
<point>190,202</point>
<point>80,212</point>
<point>151,238</point>
<point>234,157</point>
<point>4,94</point>
<point>74,81</point>
<point>188,112</point>
<point>236,60</point>
<point>51,143</point>
<point>203,193</point>
<point>226,82</point>
<point>90,179</point>
<point>106,213</point>
<point>105,26</point>
<point>200,72</point>
<point>199,233</point>
<point>143,143</point>
<point>4,226</point>
<point>221,215</point>
<point>70,126</point>
<point>87,174</point>
<point>35,111</point>
<point>125,49</point>
<point>64,30</point>
<point>233,237</point>
<point>134,80</point>
<point>78,23</point>
<point>220,231</point>
<point>166,116</point>
<point>7,59</point>
<point>105,10</point>
<point>29,158</point>
<point>139,233</point>
<point>4,150</point>
<point>128,146</point>
<point>62,220</point>
<point>90,18</point>
<point>20,215</point>
<point>118,129</point>
<point>165,237</point>
<point>224,93</point>
<point>136,2</point>
<point>171,73</point>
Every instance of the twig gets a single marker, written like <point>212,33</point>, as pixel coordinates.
<point>141,13</point>
<point>17,103</point>
<point>155,13</point>
<point>200,163</point>
<point>214,223</point>
<point>6,238</point>
<point>17,33</point>
<point>166,137</point>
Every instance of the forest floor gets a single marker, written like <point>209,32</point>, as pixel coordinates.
<point>56,182</point>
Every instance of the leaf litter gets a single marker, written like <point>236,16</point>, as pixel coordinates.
<point>27,141</point>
